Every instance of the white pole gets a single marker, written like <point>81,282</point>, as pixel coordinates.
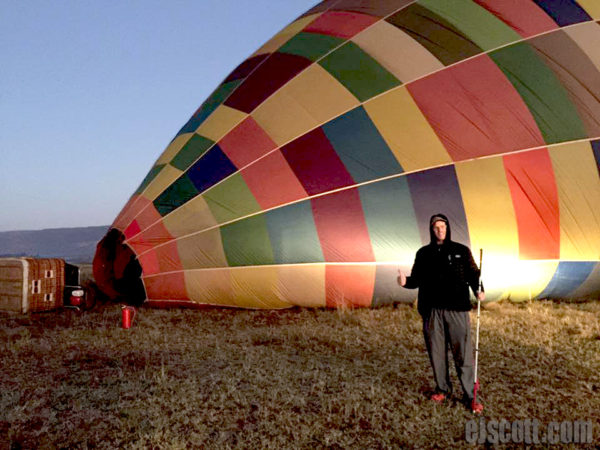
<point>477,338</point>
<point>475,379</point>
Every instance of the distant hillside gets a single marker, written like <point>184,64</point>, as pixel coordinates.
<point>75,245</point>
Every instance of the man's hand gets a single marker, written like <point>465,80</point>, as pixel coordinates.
<point>401,278</point>
<point>481,296</point>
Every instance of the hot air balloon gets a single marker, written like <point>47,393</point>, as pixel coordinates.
<point>308,176</point>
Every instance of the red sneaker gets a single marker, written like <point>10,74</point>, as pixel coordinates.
<point>476,407</point>
<point>438,398</point>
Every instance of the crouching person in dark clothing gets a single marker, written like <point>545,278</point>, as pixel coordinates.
<point>444,271</point>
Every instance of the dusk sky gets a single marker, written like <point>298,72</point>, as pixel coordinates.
<point>92,92</point>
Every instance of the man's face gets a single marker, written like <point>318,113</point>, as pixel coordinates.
<point>439,229</point>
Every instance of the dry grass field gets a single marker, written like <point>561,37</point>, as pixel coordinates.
<point>299,378</point>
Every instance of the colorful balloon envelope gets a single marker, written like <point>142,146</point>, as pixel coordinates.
<point>309,175</point>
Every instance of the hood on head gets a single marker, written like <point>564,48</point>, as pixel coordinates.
<point>432,220</point>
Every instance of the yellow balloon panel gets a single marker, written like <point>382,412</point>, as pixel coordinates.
<point>303,285</point>
<point>220,122</point>
<point>255,287</point>
<point>173,148</point>
<point>163,180</point>
<point>201,250</point>
<point>492,225</point>
<point>393,47</point>
<point>210,286</point>
<point>578,187</point>
<point>522,280</point>
<point>407,132</point>
<point>592,7</point>
<point>587,37</point>
<point>192,217</point>
<point>312,98</point>
<point>285,35</point>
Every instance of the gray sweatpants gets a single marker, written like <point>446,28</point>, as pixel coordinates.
<point>451,329</point>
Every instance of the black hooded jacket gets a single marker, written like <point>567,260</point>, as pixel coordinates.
<point>443,273</point>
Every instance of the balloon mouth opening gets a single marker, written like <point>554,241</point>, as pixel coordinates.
<point>117,271</point>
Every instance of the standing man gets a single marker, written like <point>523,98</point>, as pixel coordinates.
<point>443,271</point>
